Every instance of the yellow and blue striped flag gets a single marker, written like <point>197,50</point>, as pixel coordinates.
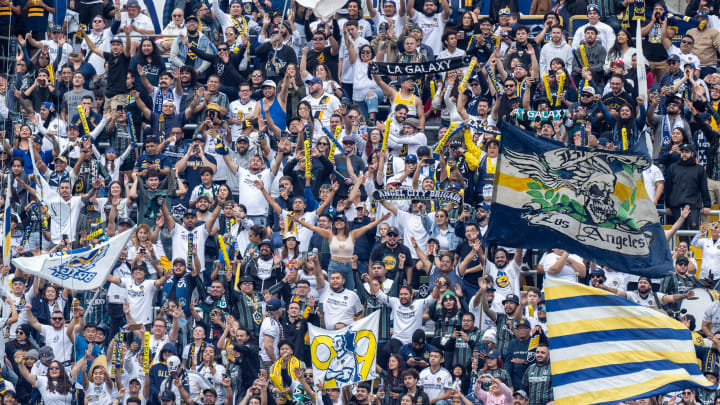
<point>7,213</point>
<point>605,349</point>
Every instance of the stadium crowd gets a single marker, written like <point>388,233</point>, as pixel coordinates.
<point>199,132</point>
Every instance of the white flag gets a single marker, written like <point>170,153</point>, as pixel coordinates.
<point>345,356</point>
<point>322,8</point>
<point>80,269</point>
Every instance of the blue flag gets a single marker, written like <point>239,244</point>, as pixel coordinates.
<point>590,202</point>
<point>60,11</point>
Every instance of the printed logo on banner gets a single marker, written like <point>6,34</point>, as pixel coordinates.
<point>346,357</point>
<point>596,211</point>
<point>81,268</point>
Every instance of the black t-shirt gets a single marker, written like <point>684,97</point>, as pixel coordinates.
<point>463,250</point>
<point>389,256</point>
<point>118,67</point>
<point>315,58</point>
<point>506,106</point>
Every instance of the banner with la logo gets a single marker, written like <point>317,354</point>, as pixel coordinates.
<point>345,356</point>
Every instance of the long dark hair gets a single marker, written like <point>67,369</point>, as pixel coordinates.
<point>155,56</point>
<point>615,52</point>
<point>60,385</point>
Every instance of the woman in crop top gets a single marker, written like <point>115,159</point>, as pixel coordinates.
<point>342,244</point>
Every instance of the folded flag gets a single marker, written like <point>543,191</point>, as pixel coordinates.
<point>590,202</point>
<point>605,349</point>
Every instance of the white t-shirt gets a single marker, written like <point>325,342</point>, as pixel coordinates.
<point>102,41</point>
<point>269,327</point>
<point>652,175</point>
<point>249,195</point>
<point>398,23</point>
<point>710,256</point>
<point>406,319</point>
<point>712,315</point>
<point>412,227</point>
<point>54,48</point>
<point>339,307</point>
<point>435,384</point>
<point>98,394</point>
<point>237,109</point>
<point>432,28</point>
<point>649,301</point>
<point>323,107</point>
<point>57,230</point>
<point>140,297</point>
<point>179,236</point>
<point>506,280</point>
<point>59,341</point>
<point>348,69</point>
<point>616,280</point>
<point>142,22</point>
<point>51,398</point>
<point>567,272</point>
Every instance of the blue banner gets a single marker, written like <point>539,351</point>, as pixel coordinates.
<point>590,202</point>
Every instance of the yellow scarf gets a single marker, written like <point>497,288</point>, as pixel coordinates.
<point>276,373</point>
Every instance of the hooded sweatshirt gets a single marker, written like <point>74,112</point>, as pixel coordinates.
<point>158,374</point>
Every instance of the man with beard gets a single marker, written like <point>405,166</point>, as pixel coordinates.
<point>323,105</point>
<point>265,270</point>
<point>406,313</point>
<point>181,55</point>
<point>430,21</point>
<point>319,54</point>
<point>507,102</point>
<point>605,32</point>
<point>224,65</point>
<point>504,321</point>
<point>181,285</point>
<point>617,96</point>
<point>680,283</point>
<point>180,234</point>
<point>537,380</point>
<point>664,124</point>
<point>686,184</point>
<point>556,48</point>
<point>340,306</point>
<point>673,74</point>
<point>405,96</point>
<point>518,356</point>
<point>395,255</point>
<point>463,342</point>
<point>505,274</point>
<point>644,295</point>
<point>595,52</point>
<point>275,54</point>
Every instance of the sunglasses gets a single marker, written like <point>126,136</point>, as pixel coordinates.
<point>324,144</point>
<point>98,21</point>
<point>318,39</point>
<point>53,368</point>
<point>19,332</point>
<point>177,15</point>
<point>686,42</point>
<point>308,375</point>
<point>256,75</point>
<point>507,86</point>
<point>56,319</point>
<point>365,52</point>
<point>223,49</point>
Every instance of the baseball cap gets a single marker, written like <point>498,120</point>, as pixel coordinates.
<point>190,211</point>
<point>493,354</point>
<point>116,39</point>
<point>593,7</point>
<point>179,260</point>
<point>167,396</point>
<point>404,78</point>
<point>126,221</point>
<point>413,122</point>
<point>589,90</point>
<point>46,353</point>
<point>411,158</point>
<point>152,138</point>
<point>269,83</point>
<point>597,271</point>
<point>312,80</point>
<point>243,138</point>
<point>191,17</point>
<point>132,3</point>
<point>685,147</point>
<point>340,217</point>
<point>247,279</point>
<point>56,28</point>
<point>673,58</point>
<point>682,259</point>
<point>521,393</point>
<point>523,323</point>
<point>213,106</point>
<point>265,242</point>
<point>273,305</point>
<point>512,298</point>
<point>199,137</point>
<point>393,230</point>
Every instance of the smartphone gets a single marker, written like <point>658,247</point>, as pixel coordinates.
<point>430,161</point>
